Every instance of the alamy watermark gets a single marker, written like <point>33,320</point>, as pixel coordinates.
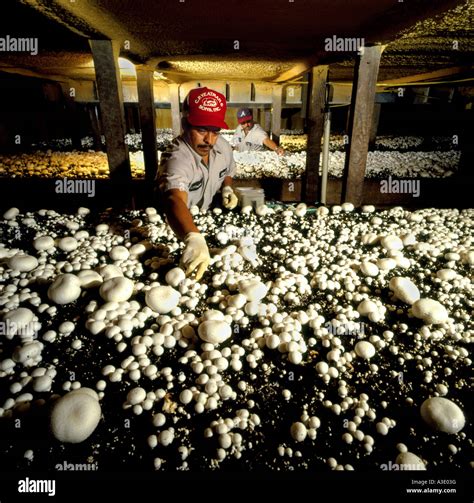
<point>353,328</point>
<point>69,186</point>
<point>10,328</point>
<point>402,466</point>
<point>37,486</point>
<point>399,186</point>
<point>76,467</point>
<point>344,44</point>
<point>15,44</point>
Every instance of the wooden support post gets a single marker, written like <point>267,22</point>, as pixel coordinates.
<point>129,122</point>
<point>375,124</point>
<point>175,115</point>
<point>276,112</point>
<point>315,122</point>
<point>466,161</point>
<point>96,136</point>
<point>255,114</point>
<point>267,120</point>
<point>146,103</point>
<point>109,86</point>
<point>304,96</point>
<point>362,109</point>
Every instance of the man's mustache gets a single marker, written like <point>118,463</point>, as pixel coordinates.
<point>210,147</point>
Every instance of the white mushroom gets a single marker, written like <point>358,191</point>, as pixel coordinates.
<point>298,431</point>
<point>410,461</point>
<point>253,289</point>
<point>214,331</point>
<point>17,321</point>
<point>65,289</point>
<point>116,289</point>
<point>442,415</point>
<point>23,263</point>
<point>162,299</point>
<point>119,253</point>
<point>89,278</point>
<point>404,289</point>
<point>365,349</point>
<point>75,416</point>
<point>368,268</point>
<point>430,311</point>
<point>391,243</point>
<point>43,243</point>
<point>175,276</point>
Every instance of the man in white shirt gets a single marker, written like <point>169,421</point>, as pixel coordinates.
<point>198,164</point>
<point>251,136</point>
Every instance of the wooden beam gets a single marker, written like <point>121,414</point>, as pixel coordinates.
<point>375,124</point>
<point>466,162</point>
<point>362,109</point>
<point>296,70</point>
<point>276,112</point>
<point>267,120</point>
<point>421,77</point>
<point>109,87</point>
<point>255,114</point>
<point>304,96</point>
<point>96,136</point>
<point>175,115</point>
<point>146,105</point>
<point>315,124</point>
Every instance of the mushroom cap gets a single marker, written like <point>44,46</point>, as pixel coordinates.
<point>175,276</point>
<point>430,311</point>
<point>404,289</point>
<point>214,331</point>
<point>365,349</point>
<point>23,263</point>
<point>117,289</point>
<point>162,299</point>
<point>65,288</point>
<point>43,243</point>
<point>89,278</point>
<point>253,289</point>
<point>298,431</point>
<point>369,268</point>
<point>442,414</point>
<point>391,243</point>
<point>18,319</point>
<point>75,416</point>
<point>366,307</point>
<point>410,461</point>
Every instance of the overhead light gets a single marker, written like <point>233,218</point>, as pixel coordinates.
<point>127,68</point>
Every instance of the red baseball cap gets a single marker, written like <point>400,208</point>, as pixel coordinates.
<point>206,107</point>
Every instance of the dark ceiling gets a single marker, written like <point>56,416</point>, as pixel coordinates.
<point>273,40</point>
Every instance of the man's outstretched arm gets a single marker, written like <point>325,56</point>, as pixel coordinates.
<point>195,258</point>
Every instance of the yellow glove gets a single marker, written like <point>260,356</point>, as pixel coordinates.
<point>195,255</point>
<point>229,199</point>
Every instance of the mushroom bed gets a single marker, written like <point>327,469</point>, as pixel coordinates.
<point>328,338</point>
<point>405,156</point>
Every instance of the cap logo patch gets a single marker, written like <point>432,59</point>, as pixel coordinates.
<point>208,102</point>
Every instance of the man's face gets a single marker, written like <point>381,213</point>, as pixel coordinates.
<point>202,139</point>
<point>247,125</point>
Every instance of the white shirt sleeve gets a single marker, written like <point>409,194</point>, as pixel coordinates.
<point>259,135</point>
<point>175,171</point>
<point>236,138</point>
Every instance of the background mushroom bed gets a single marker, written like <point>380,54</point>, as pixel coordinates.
<point>328,339</point>
<point>409,156</point>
